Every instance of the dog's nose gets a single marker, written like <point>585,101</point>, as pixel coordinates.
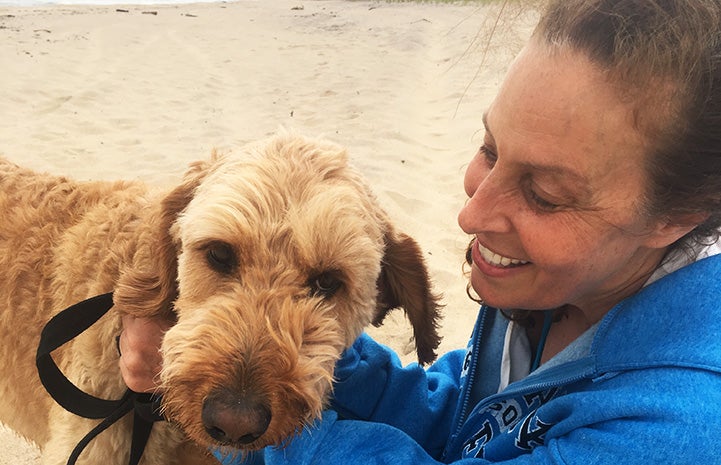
<point>233,418</point>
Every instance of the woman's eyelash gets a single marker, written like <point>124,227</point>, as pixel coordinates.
<point>489,154</point>
<point>540,202</point>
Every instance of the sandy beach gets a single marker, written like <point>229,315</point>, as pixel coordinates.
<point>138,92</point>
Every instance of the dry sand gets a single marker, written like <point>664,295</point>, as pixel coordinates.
<point>106,92</point>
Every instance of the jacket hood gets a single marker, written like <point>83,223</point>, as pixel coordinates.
<point>675,321</point>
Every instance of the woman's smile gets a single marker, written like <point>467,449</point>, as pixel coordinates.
<point>481,253</point>
<point>492,264</point>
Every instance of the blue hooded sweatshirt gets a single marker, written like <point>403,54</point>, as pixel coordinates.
<point>642,387</point>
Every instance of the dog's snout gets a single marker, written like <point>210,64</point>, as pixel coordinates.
<point>234,418</point>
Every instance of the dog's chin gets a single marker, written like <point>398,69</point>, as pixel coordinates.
<point>288,418</point>
<point>279,439</point>
<point>276,439</point>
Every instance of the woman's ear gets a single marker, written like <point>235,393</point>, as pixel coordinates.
<point>147,285</point>
<point>670,230</point>
<point>404,282</point>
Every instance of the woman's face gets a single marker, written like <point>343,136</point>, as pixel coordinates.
<point>555,191</point>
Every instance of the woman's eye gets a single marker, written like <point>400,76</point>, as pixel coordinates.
<point>490,156</point>
<point>324,284</point>
<point>541,203</point>
<point>221,257</point>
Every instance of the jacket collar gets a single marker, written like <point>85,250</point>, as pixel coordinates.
<point>668,323</point>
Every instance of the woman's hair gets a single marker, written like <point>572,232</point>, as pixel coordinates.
<point>664,56</point>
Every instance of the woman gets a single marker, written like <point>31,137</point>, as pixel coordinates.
<point>592,204</point>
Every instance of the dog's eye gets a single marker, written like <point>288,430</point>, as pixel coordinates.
<point>324,284</point>
<point>221,257</point>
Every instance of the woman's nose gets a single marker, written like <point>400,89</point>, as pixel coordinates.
<point>487,210</point>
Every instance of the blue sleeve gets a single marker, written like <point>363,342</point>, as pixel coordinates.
<point>352,442</point>
<point>372,385</point>
<point>334,441</point>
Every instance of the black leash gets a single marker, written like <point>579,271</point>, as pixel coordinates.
<point>65,326</point>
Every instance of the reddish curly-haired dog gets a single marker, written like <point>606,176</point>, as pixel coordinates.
<point>273,261</point>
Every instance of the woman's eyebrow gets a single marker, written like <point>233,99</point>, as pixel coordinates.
<point>484,118</point>
<point>550,169</point>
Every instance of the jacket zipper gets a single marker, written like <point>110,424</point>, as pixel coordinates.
<point>582,368</point>
<point>470,376</point>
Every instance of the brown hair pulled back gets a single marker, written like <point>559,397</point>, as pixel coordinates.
<point>665,56</point>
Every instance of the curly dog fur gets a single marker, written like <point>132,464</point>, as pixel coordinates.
<point>273,260</point>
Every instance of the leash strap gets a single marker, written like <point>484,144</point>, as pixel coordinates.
<point>62,328</point>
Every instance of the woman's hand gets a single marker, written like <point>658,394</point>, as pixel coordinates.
<point>139,346</point>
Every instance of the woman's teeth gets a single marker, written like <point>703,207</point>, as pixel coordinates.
<point>494,259</point>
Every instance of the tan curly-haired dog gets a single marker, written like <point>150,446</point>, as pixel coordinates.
<point>273,261</point>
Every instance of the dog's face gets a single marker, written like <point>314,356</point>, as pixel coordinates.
<point>280,256</point>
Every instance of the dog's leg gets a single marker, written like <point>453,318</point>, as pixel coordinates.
<point>112,447</point>
<point>167,445</point>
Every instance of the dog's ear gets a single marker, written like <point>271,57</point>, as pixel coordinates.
<point>404,282</point>
<point>148,285</point>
